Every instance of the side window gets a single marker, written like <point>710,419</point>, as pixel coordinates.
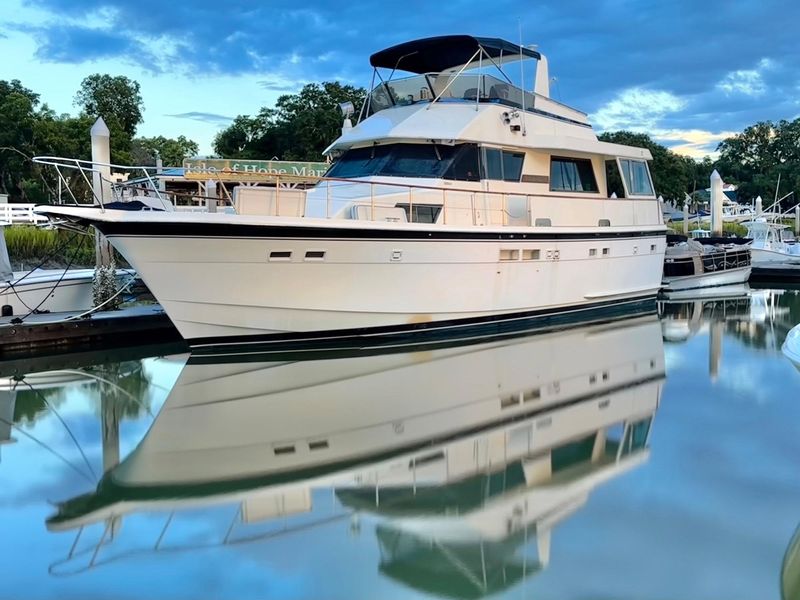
<point>614,180</point>
<point>572,175</point>
<point>466,166</point>
<point>637,177</point>
<point>502,165</point>
<point>512,166</point>
<point>494,163</point>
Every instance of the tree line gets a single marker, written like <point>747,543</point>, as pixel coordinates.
<point>30,128</point>
<point>300,126</point>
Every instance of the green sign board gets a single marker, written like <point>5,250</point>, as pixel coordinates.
<point>236,169</point>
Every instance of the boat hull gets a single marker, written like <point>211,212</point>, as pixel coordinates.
<point>702,280</point>
<point>49,291</point>
<point>761,256</point>
<point>218,286</point>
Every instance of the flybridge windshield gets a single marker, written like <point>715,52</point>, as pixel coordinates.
<point>410,160</point>
<point>470,87</point>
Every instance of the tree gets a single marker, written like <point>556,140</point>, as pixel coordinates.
<point>17,121</point>
<point>171,151</point>
<point>117,99</point>
<point>756,157</point>
<point>300,126</point>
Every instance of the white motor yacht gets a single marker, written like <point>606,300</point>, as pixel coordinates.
<point>772,242</point>
<point>457,199</point>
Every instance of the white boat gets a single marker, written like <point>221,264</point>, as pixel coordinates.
<point>458,199</point>
<point>689,264</point>
<point>552,416</point>
<point>46,290</point>
<point>772,242</point>
<point>791,346</point>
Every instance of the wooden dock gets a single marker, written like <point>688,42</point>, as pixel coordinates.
<point>57,333</point>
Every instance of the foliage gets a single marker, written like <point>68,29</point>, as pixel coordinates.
<point>117,99</point>
<point>104,286</point>
<point>28,245</point>
<point>300,126</point>
<point>172,151</point>
<point>756,157</point>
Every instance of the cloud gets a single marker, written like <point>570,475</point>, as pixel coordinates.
<point>204,117</point>
<point>694,143</point>
<point>637,109</point>
<point>749,82</point>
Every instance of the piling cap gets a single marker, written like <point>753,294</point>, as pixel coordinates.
<point>100,128</point>
<point>715,175</point>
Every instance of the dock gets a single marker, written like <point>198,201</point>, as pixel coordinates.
<point>57,333</point>
<point>779,273</point>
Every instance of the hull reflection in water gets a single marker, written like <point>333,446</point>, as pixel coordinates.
<point>460,456</point>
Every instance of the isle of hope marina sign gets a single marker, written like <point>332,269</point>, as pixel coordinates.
<point>238,170</point>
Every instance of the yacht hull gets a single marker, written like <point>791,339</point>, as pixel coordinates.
<point>761,256</point>
<point>702,280</point>
<point>230,283</point>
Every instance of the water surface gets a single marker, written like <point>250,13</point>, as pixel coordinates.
<point>645,458</point>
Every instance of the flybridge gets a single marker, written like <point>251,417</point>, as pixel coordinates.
<point>440,64</point>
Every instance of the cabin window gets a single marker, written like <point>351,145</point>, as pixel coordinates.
<point>637,177</point>
<point>409,160</point>
<point>614,185</point>
<point>572,175</point>
<point>421,213</point>
<point>502,165</point>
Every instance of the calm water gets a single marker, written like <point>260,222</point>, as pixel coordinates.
<point>647,458</point>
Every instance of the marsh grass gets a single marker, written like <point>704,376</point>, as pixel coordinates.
<point>29,245</point>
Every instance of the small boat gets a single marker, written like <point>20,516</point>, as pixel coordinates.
<point>44,290</point>
<point>772,242</point>
<point>689,264</point>
<point>791,347</point>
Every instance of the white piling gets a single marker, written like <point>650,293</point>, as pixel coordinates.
<point>685,218</point>
<point>101,157</point>
<point>716,203</point>
<point>797,220</point>
<point>101,184</point>
<point>211,196</point>
<point>759,206</point>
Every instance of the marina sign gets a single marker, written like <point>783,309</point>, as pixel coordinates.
<point>232,169</point>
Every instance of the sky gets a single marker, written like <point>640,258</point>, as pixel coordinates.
<point>689,73</point>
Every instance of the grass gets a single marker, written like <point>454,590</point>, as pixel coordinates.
<point>28,246</point>
<point>735,229</point>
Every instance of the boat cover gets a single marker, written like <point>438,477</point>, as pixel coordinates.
<point>437,54</point>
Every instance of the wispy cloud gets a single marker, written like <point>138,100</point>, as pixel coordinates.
<point>694,143</point>
<point>749,82</point>
<point>204,117</point>
<point>637,109</point>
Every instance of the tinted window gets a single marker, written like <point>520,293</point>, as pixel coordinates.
<point>494,163</point>
<point>423,213</point>
<point>572,175</point>
<point>512,165</point>
<point>503,165</point>
<point>636,177</point>
<point>614,180</point>
<point>466,166</point>
<point>409,160</point>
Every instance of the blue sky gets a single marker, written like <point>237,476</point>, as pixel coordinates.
<point>687,72</point>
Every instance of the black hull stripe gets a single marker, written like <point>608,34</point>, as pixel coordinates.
<point>451,331</point>
<point>240,230</point>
